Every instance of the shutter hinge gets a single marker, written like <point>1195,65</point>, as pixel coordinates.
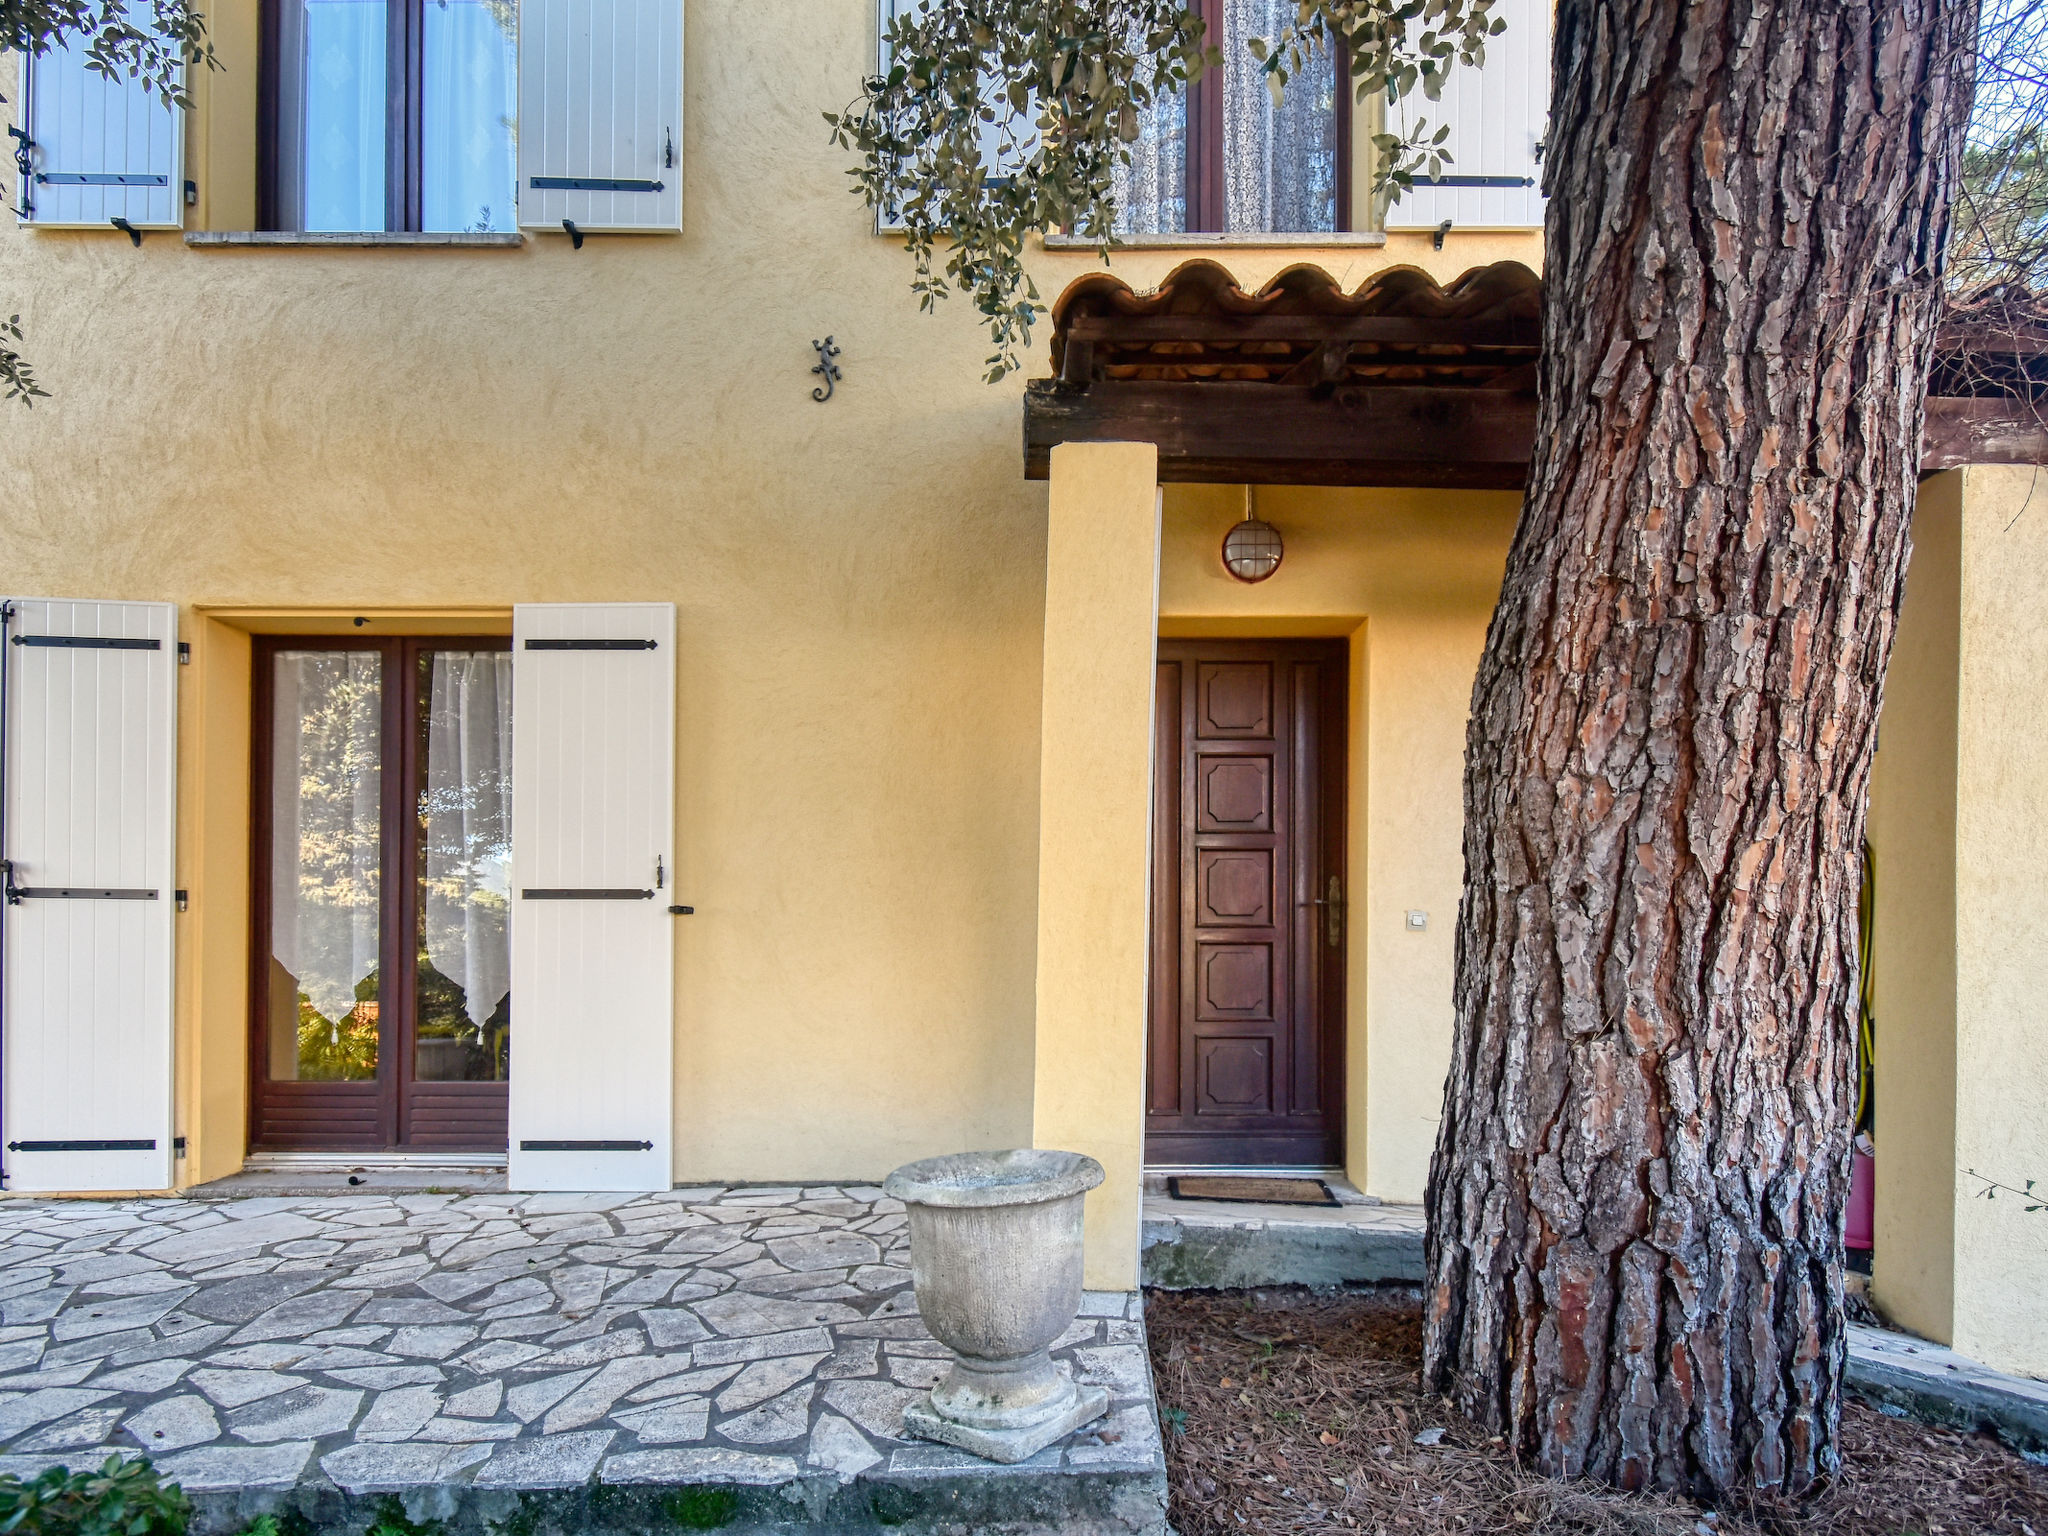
<point>178,1145</point>
<point>191,194</point>
<point>184,899</point>
<point>184,653</point>
<point>682,911</point>
<point>24,165</point>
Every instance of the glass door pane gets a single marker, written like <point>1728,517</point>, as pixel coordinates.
<point>326,869</point>
<point>464,967</point>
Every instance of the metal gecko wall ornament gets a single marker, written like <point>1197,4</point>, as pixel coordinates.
<point>827,368</point>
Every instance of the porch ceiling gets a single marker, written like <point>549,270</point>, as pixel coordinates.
<point>1405,382</point>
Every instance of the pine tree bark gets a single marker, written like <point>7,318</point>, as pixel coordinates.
<point>1636,1203</point>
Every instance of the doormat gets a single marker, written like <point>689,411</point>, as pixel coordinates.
<point>1252,1189</point>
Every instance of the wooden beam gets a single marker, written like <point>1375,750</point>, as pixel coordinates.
<point>1398,435</point>
<point>1983,431</point>
<point>1388,330</point>
<point>1282,434</point>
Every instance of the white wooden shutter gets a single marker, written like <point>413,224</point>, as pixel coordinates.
<point>85,959</point>
<point>601,114</point>
<point>1498,115</point>
<point>593,794</point>
<point>99,149</point>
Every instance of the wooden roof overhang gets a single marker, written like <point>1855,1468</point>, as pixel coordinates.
<point>1401,383</point>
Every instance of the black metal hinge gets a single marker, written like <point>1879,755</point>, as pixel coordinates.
<point>555,893</point>
<point>593,645</point>
<point>82,1146</point>
<point>586,1146</point>
<point>87,643</point>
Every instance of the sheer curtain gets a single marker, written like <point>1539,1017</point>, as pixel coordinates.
<point>470,63</point>
<point>1279,165</point>
<point>326,826</point>
<point>1152,191</point>
<point>331,114</point>
<point>466,827</point>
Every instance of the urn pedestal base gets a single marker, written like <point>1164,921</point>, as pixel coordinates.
<point>1006,1445</point>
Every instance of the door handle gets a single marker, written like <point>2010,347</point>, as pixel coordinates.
<point>1333,911</point>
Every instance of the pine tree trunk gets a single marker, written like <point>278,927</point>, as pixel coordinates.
<point>1636,1205</point>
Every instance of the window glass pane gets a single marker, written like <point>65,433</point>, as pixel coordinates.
<point>326,865</point>
<point>470,65</point>
<point>1152,191</point>
<point>465,814</point>
<point>331,114</point>
<point>1279,166</point>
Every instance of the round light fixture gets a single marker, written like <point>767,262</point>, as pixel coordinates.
<point>1252,549</point>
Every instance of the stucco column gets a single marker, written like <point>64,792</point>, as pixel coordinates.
<point>1959,826</point>
<point>1094,827</point>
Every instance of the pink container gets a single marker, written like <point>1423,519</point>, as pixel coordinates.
<point>1862,1198</point>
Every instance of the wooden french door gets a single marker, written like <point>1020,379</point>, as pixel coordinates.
<point>380,993</point>
<point>1246,1038</point>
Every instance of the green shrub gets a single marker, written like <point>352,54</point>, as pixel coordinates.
<point>123,1498</point>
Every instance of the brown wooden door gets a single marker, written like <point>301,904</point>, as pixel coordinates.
<point>1247,998</point>
<point>380,1006</point>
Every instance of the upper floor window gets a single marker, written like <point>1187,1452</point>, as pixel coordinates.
<point>1220,157</point>
<point>391,114</point>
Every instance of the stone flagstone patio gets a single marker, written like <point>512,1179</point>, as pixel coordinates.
<point>725,1356</point>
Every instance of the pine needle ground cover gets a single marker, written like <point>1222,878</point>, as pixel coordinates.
<point>1287,1412</point>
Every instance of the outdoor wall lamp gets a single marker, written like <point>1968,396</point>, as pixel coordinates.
<point>1252,550</point>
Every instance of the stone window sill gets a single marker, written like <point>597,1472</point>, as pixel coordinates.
<point>219,239</point>
<point>1366,239</point>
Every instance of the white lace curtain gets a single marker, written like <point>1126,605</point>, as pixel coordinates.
<point>326,826</point>
<point>466,812</point>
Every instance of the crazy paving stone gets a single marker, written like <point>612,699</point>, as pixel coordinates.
<point>765,1379</point>
<point>481,1402</point>
<point>529,1399</point>
<point>231,1389</point>
<point>780,1419</point>
<point>363,1468</point>
<point>498,1355</point>
<point>244,1300</point>
<point>430,1343</point>
<point>801,1341</point>
<point>216,1240</point>
<point>689,1381</point>
<point>238,1466</point>
<point>876,1406</point>
<point>412,1310</point>
<point>156,1376</point>
<point>398,1414</point>
<point>593,1399</point>
<point>836,1446</point>
<point>299,1316</point>
<point>172,1423</point>
<point>381,1378</point>
<point>825,1250</point>
<point>668,1423</point>
<point>553,1461</point>
<point>23,1413</point>
<point>304,1413</point>
<point>89,1426</point>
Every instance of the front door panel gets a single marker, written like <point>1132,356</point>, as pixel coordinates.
<point>1247,959</point>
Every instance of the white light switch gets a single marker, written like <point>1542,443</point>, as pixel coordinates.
<point>1418,919</point>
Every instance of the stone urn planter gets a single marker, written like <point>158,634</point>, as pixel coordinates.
<point>995,1251</point>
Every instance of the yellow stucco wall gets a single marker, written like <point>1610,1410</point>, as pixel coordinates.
<point>1412,577</point>
<point>1912,830</point>
<point>860,584</point>
<point>2001,1312</point>
<point>1960,828</point>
